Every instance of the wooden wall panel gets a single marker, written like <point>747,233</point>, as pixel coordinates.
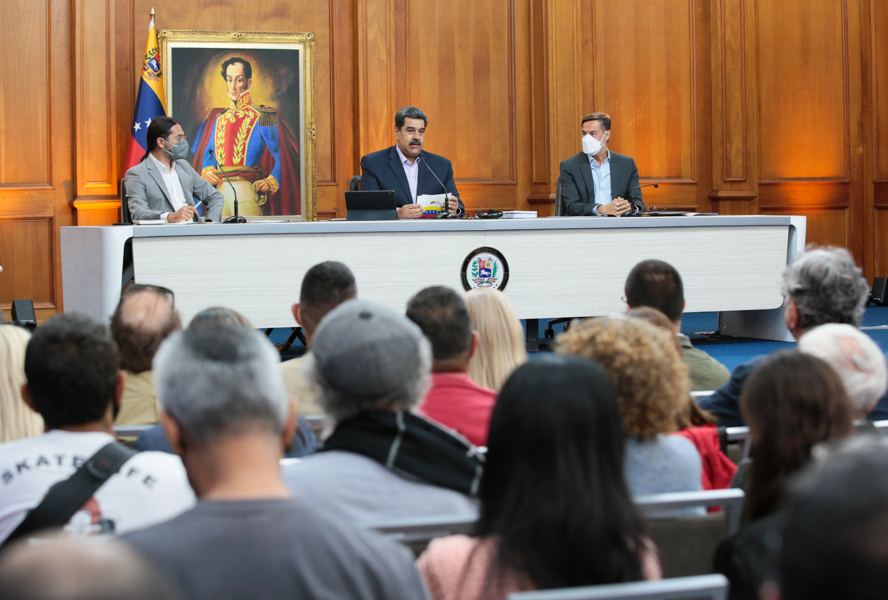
<point>25,85</point>
<point>802,83</point>
<point>644,65</point>
<point>878,25</point>
<point>27,250</point>
<point>461,72</point>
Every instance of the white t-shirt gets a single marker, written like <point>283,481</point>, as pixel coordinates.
<point>149,488</point>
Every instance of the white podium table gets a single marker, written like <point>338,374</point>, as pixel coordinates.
<point>558,267</point>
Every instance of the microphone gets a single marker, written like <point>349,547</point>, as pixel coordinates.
<point>236,218</point>
<point>637,210</point>
<point>446,214</point>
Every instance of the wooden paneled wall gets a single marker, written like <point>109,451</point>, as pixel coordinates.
<point>735,106</point>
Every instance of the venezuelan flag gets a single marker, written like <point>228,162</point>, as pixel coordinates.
<point>150,100</point>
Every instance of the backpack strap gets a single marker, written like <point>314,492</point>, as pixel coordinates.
<point>66,497</point>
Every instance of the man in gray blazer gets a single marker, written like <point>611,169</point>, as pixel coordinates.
<point>598,181</point>
<point>164,185</point>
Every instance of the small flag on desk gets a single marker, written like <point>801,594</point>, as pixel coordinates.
<point>150,100</point>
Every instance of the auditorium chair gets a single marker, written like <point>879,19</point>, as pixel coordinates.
<point>703,587</point>
<point>687,544</point>
<point>417,532</point>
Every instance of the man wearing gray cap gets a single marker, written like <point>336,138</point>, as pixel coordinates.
<point>381,462</point>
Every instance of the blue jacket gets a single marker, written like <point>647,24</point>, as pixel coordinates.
<point>725,402</point>
<point>383,170</point>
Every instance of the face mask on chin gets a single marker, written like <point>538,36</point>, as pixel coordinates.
<point>178,151</point>
<point>591,146</point>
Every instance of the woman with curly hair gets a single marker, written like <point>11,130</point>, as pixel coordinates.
<point>556,512</point>
<point>500,347</point>
<point>653,388</point>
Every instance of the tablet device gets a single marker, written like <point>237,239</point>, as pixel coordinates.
<point>371,205</point>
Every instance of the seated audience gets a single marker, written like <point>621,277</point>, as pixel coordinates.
<point>453,400</point>
<point>324,287</point>
<point>381,461</point>
<point>556,512</point>
<point>500,347</point>
<point>821,286</point>
<point>80,570</point>
<point>652,385</point>
<point>16,419</point>
<point>73,382</point>
<point>836,527</point>
<point>792,402</point>
<point>857,360</point>
<point>145,316</point>
<point>693,422</point>
<point>154,438</point>
<point>657,284</point>
<point>226,413</point>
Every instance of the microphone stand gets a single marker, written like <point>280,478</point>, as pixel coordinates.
<point>636,211</point>
<point>446,214</point>
<point>236,218</point>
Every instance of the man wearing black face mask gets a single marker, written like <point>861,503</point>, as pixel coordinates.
<point>164,185</point>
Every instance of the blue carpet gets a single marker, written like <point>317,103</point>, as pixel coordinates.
<point>729,351</point>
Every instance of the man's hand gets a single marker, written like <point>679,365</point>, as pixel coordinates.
<point>262,186</point>
<point>618,207</point>
<point>452,204</point>
<point>183,214</point>
<point>410,211</point>
<point>210,176</point>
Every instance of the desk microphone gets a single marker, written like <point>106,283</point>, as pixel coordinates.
<point>236,218</point>
<point>446,214</point>
<point>638,211</point>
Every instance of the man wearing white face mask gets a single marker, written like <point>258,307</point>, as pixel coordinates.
<point>598,181</point>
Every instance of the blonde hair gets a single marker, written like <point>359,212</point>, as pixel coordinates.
<point>500,338</point>
<point>646,368</point>
<point>17,420</point>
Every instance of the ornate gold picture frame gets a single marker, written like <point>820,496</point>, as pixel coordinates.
<point>246,101</point>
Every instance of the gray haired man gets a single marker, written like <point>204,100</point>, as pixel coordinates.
<point>822,286</point>
<point>226,413</point>
<point>372,367</point>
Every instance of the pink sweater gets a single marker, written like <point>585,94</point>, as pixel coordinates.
<point>456,568</point>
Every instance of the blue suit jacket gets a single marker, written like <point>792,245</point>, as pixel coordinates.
<point>578,186</point>
<point>383,170</point>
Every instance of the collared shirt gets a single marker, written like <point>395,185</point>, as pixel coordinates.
<point>173,185</point>
<point>411,171</point>
<point>601,175</point>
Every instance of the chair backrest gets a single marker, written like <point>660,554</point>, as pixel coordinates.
<point>740,435</point>
<point>417,532</point>
<point>355,183</point>
<point>687,543</point>
<point>704,587</point>
<point>882,426</point>
<point>125,216</point>
<point>559,204</point>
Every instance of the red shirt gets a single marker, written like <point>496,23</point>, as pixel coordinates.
<point>459,403</point>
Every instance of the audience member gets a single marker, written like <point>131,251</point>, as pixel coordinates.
<point>453,400</point>
<point>80,570</point>
<point>792,402</point>
<point>226,413</point>
<point>145,316</point>
<point>556,512</point>
<point>821,286</point>
<point>500,347</point>
<point>154,438</point>
<point>324,287</point>
<point>16,419</point>
<point>836,527</point>
<point>73,382</point>
<point>694,423</point>
<point>652,385</point>
<point>657,284</point>
<point>856,358</point>
<point>381,461</point>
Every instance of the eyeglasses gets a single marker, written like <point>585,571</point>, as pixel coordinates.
<point>133,288</point>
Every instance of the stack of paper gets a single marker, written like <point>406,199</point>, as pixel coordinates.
<point>519,214</point>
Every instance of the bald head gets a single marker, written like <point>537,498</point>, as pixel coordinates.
<point>142,321</point>
<point>80,570</point>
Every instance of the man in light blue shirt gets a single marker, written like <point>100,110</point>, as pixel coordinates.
<point>598,181</point>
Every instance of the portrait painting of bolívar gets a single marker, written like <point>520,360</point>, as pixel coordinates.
<point>244,110</point>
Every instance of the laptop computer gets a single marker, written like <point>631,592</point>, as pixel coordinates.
<point>371,205</point>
